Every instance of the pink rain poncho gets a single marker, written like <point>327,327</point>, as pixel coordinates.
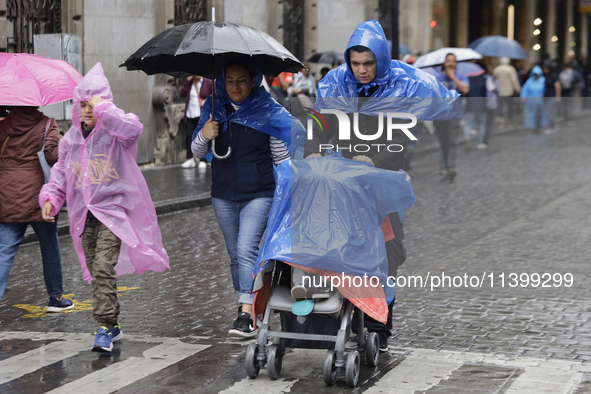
<point>99,174</point>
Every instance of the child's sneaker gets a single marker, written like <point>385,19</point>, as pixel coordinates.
<point>56,305</point>
<point>116,333</point>
<point>103,341</point>
<point>243,327</point>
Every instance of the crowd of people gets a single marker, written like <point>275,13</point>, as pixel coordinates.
<point>112,218</point>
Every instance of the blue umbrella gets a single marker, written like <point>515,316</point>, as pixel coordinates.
<point>499,46</point>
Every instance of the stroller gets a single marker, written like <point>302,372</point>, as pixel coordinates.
<point>328,326</point>
<point>324,209</point>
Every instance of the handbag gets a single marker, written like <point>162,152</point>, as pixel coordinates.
<point>41,154</point>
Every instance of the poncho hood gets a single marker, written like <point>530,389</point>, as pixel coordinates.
<point>258,111</point>
<point>370,35</point>
<point>402,87</point>
<point>93,84</point>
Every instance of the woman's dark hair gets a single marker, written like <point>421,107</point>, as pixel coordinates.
<point>245,64</point>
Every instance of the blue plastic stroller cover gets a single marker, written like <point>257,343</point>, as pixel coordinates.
<point>327,214</point>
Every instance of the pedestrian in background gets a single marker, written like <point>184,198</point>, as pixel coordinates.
<point>112,218</point>
<point>492,103</point>
<point>22,135</point>
<point>568,78</point>
<point>448,128</point>
<point>195,90</point>
<point>552,95</point>
<point>506,74</point>
<point>532,94</point>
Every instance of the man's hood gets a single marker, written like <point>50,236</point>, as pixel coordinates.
<point>371,35</point>
<point>21,120</point>
<point>93,84</point>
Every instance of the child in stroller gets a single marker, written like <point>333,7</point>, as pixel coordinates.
<point>325,220</point>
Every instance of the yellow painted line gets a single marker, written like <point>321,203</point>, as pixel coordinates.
<point>79,306</point>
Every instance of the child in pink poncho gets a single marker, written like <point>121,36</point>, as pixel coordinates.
<point>112,218</point>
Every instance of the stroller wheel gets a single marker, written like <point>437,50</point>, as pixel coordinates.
<point>252,364</point>
<point>372,349</point>
<point>352,368</point>
<point>330,370</point>
<point>274,361</point>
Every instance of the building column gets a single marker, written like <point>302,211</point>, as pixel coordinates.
<point>3,26</point>
<point>462,23</point>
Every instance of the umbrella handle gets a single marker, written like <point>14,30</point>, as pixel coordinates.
<point>216,155</point>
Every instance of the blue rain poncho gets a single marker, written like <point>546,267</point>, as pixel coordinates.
<point>411,90</point>
<point>533,87</point>
<point>258,111</point>
<point>327,214</point>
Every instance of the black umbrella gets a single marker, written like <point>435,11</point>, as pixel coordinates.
<point>203,48</point>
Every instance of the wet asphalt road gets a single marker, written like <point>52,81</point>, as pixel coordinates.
<point>522,206</point>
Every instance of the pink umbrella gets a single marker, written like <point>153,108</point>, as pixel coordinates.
<point>32,80</point>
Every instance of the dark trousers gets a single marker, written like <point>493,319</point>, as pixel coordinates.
<point>447,132</point>
<point>396,253</point>
<point>11,235</point>
<point>190,126</point>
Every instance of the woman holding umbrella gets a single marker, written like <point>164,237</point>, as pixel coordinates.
<point>254,128</point>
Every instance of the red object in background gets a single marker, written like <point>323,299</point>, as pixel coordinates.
<point>433,24</point>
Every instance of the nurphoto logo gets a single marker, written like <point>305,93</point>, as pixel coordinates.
<point>344,132</point>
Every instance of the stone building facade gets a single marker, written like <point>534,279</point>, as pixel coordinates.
<point>111,30</point>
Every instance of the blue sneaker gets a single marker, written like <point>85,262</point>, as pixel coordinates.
<point>116,333</point>
<point>103,341</point>
<point>56,305</point>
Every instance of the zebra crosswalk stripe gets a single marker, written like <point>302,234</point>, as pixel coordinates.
<point>165,352</point>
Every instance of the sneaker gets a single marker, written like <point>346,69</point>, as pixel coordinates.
<point>116,333</point>
<point>56,305</point>
<point>103,341</point>
<point>482,145</point>
<point>243,327</point>
<point>189,163</point>
<point>451,174</point>
<point>383,340</point>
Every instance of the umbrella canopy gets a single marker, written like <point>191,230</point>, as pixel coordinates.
<point>330,57</point>
<point>437,57</point>
<point>32,80</point>
<point>202,48</point>
<point>499,46</point>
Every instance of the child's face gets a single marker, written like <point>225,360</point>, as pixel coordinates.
<point>87,114</point>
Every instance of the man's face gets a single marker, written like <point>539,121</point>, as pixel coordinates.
<point>364,66</point>
<point>450,63</point>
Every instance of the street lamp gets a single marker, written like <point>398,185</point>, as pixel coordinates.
<point>537,32</point>
<point>537,47</point>
<point>538,22</point>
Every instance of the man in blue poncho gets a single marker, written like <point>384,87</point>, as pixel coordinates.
<point>365,89</point>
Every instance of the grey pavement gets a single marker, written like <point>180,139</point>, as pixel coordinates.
<point>519,207</point>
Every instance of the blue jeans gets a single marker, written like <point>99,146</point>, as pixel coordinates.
<point>11,235</point>
<point>242,224</point>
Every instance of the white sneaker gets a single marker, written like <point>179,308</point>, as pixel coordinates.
<point>482,145</point>
<point>202,164</point>
<point>189,163</point>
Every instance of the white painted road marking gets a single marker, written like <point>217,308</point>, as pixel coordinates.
<point>420,369</point>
